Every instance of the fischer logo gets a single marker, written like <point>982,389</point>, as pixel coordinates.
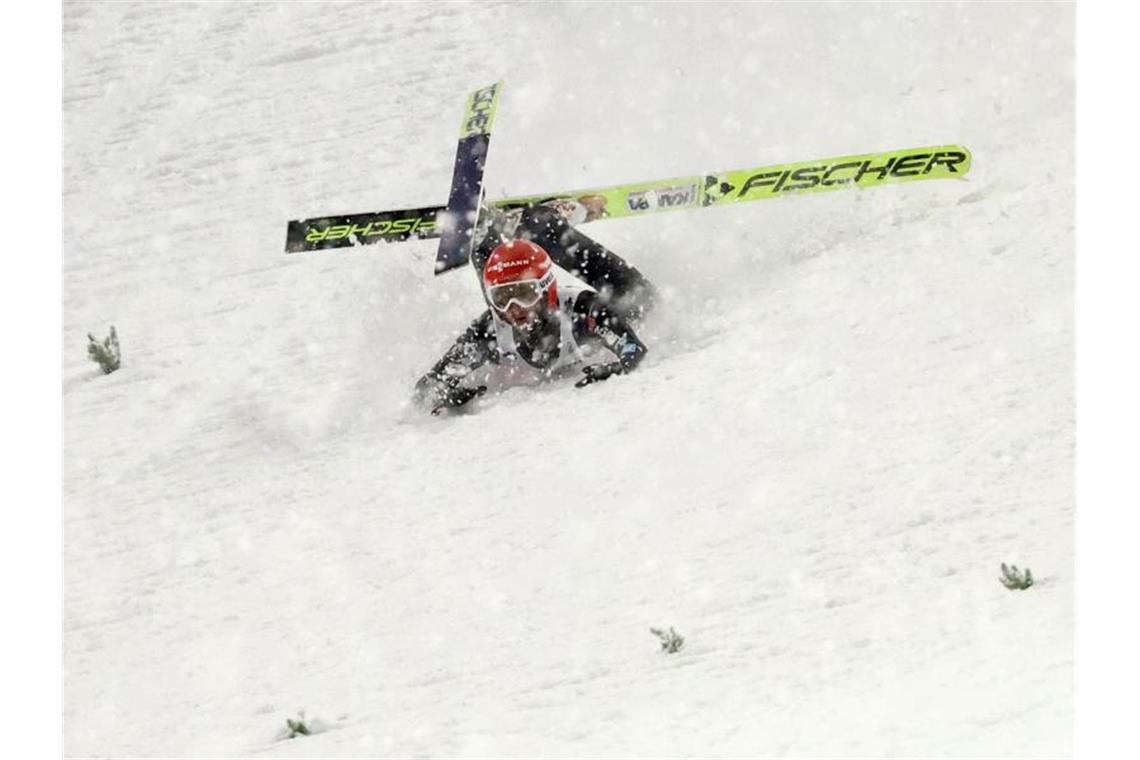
<point>479,114</point>
<point>716,188</point>
<point>662,197</point>
<point>398,228</point>
<point>859,172</point>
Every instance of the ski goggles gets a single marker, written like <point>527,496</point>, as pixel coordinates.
<point>525,293</point>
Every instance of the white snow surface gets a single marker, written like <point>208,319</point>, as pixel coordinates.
<point>855,406</point>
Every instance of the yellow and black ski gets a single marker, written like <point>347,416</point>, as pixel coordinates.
<point>455,223</point>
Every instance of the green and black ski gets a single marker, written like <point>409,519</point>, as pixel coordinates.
<point>640,198</point>
<point>362,229</point>
<point>457,222</point>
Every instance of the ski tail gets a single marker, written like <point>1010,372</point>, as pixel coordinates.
<point>321,233</point>
<point>458,222</point>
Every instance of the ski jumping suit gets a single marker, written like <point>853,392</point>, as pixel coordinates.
<point>601,316</point>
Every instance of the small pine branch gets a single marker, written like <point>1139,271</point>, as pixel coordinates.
<point>1014,579</point>
<point>671,641</point>
<point>302,725</point>
<point>295,727</point>
<point>106,354</point>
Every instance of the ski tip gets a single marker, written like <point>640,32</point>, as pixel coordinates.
<point>479,115</point>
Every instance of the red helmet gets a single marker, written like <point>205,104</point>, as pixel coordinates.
<point>518,279</point>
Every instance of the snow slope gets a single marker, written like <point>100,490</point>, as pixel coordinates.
<point>855,407</point>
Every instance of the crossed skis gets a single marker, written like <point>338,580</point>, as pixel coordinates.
<point>455,223</point>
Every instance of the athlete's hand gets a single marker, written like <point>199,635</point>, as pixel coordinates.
<point>436,393</point>
<point>451,396</point>
<point>595,373</point>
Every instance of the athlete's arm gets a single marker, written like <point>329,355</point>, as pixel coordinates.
<point>594,318</point>
<point>617,283</point>
<point>444,385</point>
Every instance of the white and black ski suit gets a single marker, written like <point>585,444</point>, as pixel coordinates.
<point>599,316</point>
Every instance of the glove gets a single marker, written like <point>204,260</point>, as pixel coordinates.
<point>436,392</point>
<point>595,373</point>
<point>452,396</point>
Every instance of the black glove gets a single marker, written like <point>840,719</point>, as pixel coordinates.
<point>439,392</point>
<point>595,373</point>
<point>451,396</point>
